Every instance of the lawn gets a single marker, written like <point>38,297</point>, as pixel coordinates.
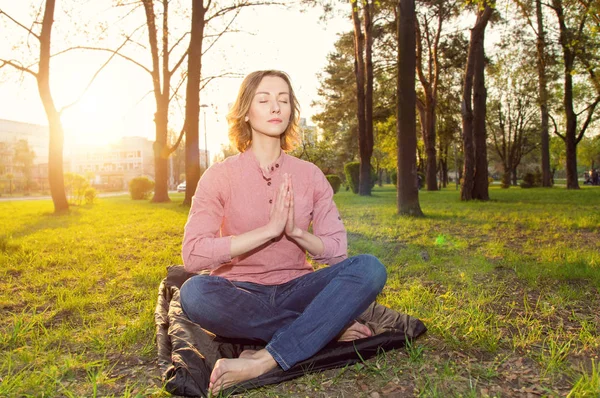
<point>509,289</point>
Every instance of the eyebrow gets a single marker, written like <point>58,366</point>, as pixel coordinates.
<point>265,92</point>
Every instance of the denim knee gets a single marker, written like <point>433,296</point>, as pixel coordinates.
<point>371,270</point>
<point>191,292</point>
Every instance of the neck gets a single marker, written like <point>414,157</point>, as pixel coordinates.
<point>266,150</point>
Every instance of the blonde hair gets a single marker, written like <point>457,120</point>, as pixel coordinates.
<point>240,132</point>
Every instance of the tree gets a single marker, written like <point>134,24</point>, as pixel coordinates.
<point>408,191</point>
<point>589,152</point>
<point>42,76</point>
<point>473,110</point>
<point>429,32</point>
<point>363,70</point>
<point>202,15</point>
<point>576,40</point>
<point>543,95</point>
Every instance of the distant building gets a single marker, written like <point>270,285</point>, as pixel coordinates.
<point>112,167</point>
<point>37,136</point>
<point>109,167</point>
<point>38,140</point>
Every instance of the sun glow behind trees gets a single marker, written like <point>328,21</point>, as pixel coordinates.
<point>119,102</point>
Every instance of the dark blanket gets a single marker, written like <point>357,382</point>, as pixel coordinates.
<point>187,353</point>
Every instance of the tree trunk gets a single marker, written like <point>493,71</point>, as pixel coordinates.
<point>571,118</point>
<point>543,96</point>
<point>408,191</point>
<point>429,140</point>
<point>466,192</point>
<point>55,155</point>
<point>480,180</point>
<point>161,164</point>
<point>192,101</point>
<point>364,185</point>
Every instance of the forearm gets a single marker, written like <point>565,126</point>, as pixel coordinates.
<point>309,242</point>
<point>243,243</point>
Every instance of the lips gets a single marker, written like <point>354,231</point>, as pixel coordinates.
<point>275,120</point>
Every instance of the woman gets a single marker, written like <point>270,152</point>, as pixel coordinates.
<point>249,226</point>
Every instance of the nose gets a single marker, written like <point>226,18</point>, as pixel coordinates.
<point>275,107</point>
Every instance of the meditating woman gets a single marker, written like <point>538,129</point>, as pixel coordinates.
<point>250,225</point>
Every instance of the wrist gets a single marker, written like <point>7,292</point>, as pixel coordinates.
<point>296,233</point>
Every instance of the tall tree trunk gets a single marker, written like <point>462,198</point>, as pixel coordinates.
<point>160,146</point>
<point>55,155</point>
<point>364,185</point>
<point>480,180</point>
<point>543,96</point>
<point>161,97</point>
<point>367,152</point>
<point>408,191</point>
<point>192,101</point>
<point>429,140</point>
<point>466,192</point>
<point>571,118</point>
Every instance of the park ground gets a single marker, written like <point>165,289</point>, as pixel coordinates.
<point>509,290</point>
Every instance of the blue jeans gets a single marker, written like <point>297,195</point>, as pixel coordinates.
<point>296,318</point>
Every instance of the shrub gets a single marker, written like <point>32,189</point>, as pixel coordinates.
<point>505,180</point>
<point>490,180</point>
<point>140,188</point>
<point>335,182</point>
<point>394,177</point>
<point>528,181</point>
<point>75,186</point>
<point>352,171</point>
<point>90,195</point>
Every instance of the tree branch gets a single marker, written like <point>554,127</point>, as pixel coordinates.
<point>21,25</point>
<point>104,49</point>
<point>93,78</point>
<point>178,41</point>
<point>172,149</point>
<point>226,10</point>
<point>208,79</point>
<point>588,119</point>
<point>16,66</point>
<point>221,33</point>
<point>556,128</point>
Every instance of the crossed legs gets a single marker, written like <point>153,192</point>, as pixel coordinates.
<point>296,319</point>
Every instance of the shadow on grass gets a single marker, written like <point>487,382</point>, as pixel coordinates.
<point>51,221</point>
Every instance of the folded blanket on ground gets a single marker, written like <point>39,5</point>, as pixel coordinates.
<point>187,353</point>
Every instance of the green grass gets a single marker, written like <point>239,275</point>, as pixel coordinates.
<point>509,289</point>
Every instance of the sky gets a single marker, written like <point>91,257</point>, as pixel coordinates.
<point>119,102</point>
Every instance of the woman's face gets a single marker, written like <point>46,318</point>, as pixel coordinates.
<point>271,107</point>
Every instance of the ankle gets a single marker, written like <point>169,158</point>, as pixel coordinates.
<point>265,360</point>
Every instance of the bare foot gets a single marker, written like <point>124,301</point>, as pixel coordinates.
<point>228,372</point>
<point>247,354</point>
<point>355,331</point>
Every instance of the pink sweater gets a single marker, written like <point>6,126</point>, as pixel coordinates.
<point>235,196</point>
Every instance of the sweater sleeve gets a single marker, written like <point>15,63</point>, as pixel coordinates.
<point>203,246</point>
<point>327,222</point>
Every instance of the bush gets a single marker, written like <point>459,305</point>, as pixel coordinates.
<point>90,195</point>
<point>352,171</point>
<point>394,177</point>
<point>140,188</point>
<point>335,182</point>
<point>75,186</point>
<point>505,181</point>
<point>528,181</point>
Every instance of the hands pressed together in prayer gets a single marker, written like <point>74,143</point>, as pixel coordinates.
<point>282,212</point>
